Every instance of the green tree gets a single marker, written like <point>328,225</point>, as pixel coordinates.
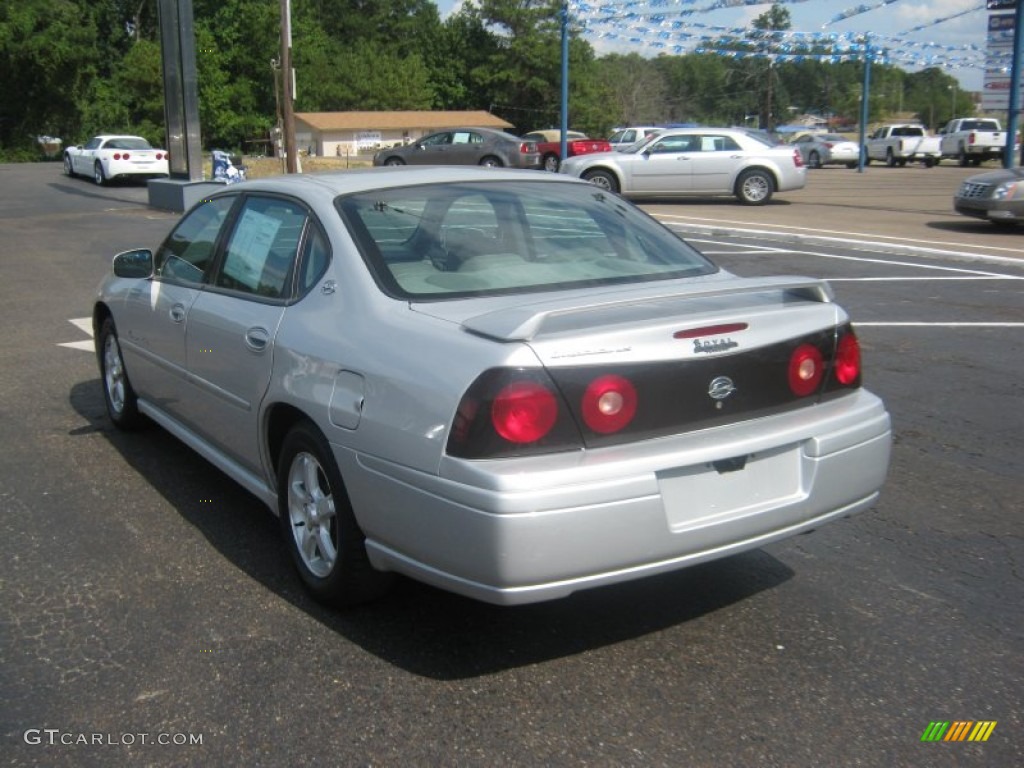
<point>775,19</point>
<point>523,74</point>
<point>48,55</point>
<point>636,87</point>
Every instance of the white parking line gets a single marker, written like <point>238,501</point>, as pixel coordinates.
<point>886,324</point>
<point>838,235</point>
<point>887,262</point>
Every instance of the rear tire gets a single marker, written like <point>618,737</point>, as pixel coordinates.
<point>98,175</point>
<point>491,162</point>
<point>319,526</point>
<point>551,163</point>
<point>890,158</point>
<point>814,160</point>
<point>755,187</point>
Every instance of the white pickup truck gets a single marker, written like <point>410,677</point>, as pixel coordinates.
<point>900,144</point>
<point>973,139</point>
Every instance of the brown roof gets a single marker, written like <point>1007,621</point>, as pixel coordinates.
<point>383,121</point>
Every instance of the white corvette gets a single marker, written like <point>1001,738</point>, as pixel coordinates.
<point>106,157</point>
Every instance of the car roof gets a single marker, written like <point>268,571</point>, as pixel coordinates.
<point>555,134</point>
<point>332,184</point>
<point>479,128</point>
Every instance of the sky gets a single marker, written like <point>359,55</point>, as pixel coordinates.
<point>893,21</point>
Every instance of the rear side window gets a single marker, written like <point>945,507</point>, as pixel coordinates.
<point>263,248</point>
<point>316,253</point>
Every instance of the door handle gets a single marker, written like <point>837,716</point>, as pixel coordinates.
<point>178,313</point>
<point>257,339</point>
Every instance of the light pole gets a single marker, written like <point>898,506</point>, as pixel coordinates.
<point>952,90</point>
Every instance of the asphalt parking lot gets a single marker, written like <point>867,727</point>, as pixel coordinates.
<point>894,209</point>
<point>150,614</point>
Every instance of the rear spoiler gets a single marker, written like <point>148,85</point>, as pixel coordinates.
<point>526,323</point>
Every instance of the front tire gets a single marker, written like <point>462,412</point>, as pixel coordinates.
<point>69,169</point>
<point>98,175</point>
<point>602,179</point>
<point>755,187</point>
<point>393,161</point>
<point>118,394</point>
<point>319,526</point>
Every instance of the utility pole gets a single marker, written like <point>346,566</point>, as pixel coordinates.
<point>288,88</point>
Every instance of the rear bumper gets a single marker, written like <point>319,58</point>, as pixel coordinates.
<point>526,530</point>
<point>154,169</point>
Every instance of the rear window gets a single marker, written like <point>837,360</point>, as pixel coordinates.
<point>441,241</point>
<point>979,125</point>
<point>128,142</point>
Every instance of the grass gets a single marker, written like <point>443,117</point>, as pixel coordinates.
<point>262,167</point>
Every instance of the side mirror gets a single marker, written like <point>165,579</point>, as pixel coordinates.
<point>135,264</point>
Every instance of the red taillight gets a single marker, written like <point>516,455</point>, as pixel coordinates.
<point>524,412</point>
<point>117,155</point>
<point>527,149</point>
<point>806,368</point>
<point>847,364</point>
<point>609,404</point>
<point>798,161</point>
<point>828,144</point>
<point>159,156</point>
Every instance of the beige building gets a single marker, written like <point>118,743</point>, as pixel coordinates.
<point>349,133</point>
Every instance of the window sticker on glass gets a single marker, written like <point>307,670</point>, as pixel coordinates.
<point>250,247</point>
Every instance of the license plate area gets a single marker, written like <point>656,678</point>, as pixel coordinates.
<point>716,492</point>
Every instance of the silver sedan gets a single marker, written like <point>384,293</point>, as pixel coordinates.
<point>696,162</point>
<point>502,383</point>
<point>820,149</point>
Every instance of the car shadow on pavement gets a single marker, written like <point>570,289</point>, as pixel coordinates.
<point>90,190</point>
<point>420,629</point>
<point>978,227</point>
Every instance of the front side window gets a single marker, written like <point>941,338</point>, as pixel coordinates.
<point>456,240</point>
<point>436,140</point>
<point>675,144</point>
<point>263,247</point>
<point>188,251</point>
